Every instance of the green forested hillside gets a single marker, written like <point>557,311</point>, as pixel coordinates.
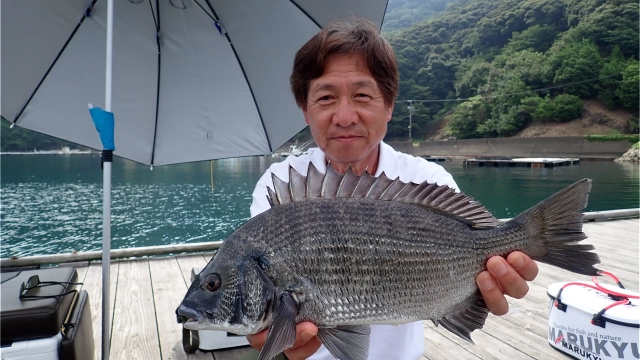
<point>494,52</point>
<point>402,14</point>
<point>19,139</point>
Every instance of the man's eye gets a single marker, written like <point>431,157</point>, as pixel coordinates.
<point>363,96</point>
<point>324,98</point>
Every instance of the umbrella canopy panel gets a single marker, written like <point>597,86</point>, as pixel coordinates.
<point>192,80</point>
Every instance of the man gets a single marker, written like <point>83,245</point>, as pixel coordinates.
<point>345,80</point>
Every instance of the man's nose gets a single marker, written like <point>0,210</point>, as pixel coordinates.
<point>345,114</point>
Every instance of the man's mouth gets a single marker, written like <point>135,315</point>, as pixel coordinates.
<point>345,137</point>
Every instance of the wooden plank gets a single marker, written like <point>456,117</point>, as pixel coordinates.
<point>93,286</point>
<point>186,263</point>
<point>611,236</point>
<point>232,354</point>
<point>627,228</point>
<point>523,340</point>
<point>134,335</point>
<point>527,320</point>
<point>168,291</point>
<point>82,274</point>
<point>485,347</point>
<point>631,226</point>
<point>612,248</point>
<point>439,347</point>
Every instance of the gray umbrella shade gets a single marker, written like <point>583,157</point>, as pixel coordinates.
<point>192,79</point>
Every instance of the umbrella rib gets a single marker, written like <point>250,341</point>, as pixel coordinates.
<point>305,13</point>
<point>266,134</point>
<point>205,11</point>
<point>320,26</point>
<point>84,16</point>
<point>155,125</point>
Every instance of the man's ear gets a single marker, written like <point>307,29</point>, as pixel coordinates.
<point>304,112</point>
<point>390,112</point>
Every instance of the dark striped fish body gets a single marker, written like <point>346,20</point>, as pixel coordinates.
<point>344,252</point>
<point>363,262</point>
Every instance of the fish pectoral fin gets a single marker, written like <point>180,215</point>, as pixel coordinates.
<point>282,332</point>
<point>468,316</point>
<point>346,342</point>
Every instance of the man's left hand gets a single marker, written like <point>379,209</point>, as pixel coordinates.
<point>506,277</point>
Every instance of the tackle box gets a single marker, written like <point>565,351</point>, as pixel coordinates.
<point>579,327</point>
<point>57,327</point>
<point>208,340</point>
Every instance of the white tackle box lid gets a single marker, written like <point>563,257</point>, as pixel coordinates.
<point>592,301</point>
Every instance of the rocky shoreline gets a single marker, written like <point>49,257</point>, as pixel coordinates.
<point>632,155</point>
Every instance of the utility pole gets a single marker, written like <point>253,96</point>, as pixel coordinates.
<point>411,110</point>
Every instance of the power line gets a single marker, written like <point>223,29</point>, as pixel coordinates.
<point>511,94</point>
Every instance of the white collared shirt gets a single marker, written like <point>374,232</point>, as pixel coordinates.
<point>401,342</point>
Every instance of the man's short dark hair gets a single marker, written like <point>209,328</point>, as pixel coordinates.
<point>351,36</point>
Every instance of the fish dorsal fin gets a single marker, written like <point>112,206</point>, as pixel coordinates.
<point>440,198</point>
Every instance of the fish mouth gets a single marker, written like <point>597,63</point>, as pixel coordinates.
<point>192,324</point>
<point>188,316</point>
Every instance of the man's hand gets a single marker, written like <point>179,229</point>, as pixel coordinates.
<point>506,277</point>
<point>306,344</point>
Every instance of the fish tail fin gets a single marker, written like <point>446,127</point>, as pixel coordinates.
<point>555,227</point>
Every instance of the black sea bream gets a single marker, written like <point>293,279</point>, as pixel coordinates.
<point>346,251</point>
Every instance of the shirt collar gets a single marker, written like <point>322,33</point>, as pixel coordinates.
<point>387,162</point>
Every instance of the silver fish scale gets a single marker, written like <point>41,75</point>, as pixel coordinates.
<point>359,261</point>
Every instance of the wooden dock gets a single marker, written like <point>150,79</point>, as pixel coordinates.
<point>522,162</point>
<point>145,293</point>
<point>435,158</point>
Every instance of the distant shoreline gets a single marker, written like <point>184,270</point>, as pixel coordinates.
<point>49,152</point>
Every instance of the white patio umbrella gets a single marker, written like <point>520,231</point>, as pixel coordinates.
<point>192,79</point>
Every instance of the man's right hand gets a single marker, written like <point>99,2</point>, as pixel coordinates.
<point>306,344</point>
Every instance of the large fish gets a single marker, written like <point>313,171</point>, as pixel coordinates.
<point>346,251</point>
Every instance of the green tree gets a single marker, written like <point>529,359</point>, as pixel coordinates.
<point>464,121</point>
<point>537,38</point>
<point>611,75</point>
<point>628,90</point>
<point>563,107</point>
<point>507,116</point>
<point>21,139</point>
<point>578,62</point>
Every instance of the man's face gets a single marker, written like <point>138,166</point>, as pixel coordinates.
<point>346,112</point>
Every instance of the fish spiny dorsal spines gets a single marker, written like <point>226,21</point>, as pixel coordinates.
<point>380,184</point>
<point>332,184</point>
<point>392,189</point>
<point>404,191</point>
<point>313,182</point>
<point>348,185</point>
<point>282,190</point>
<point>297,185</point>
<point>364,184</point>
<point>272,197</point>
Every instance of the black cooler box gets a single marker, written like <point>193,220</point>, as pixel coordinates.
<point>67,317</point>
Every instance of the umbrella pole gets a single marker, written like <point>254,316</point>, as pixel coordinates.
<point>106,251</point>
<point>106,202</point>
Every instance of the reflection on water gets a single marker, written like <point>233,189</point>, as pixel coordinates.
<point>507,191</point>
<point>53,204</point>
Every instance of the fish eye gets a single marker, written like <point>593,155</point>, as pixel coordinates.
<point>212,282</point>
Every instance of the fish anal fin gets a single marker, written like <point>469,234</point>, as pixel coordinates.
<point>282,332</point>
<point>466,317</point>
<point>346,342</point>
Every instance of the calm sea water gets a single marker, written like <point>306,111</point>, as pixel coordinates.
<point>53,204</point>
